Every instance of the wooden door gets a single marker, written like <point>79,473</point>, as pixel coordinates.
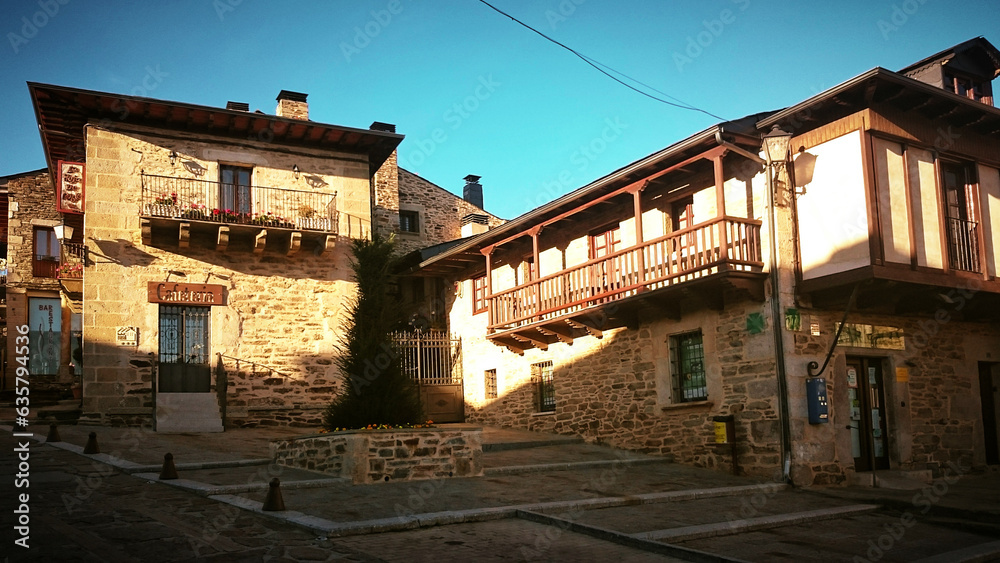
<point>868,417</point>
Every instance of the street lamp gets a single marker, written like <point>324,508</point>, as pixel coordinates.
<point>63,232</point>
<point>777,144</point>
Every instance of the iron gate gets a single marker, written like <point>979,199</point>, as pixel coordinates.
<point>434,360</point>
<point>184,338</point>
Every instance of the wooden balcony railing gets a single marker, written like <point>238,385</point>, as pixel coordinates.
<point>963,245</point>
<point>724,243</point>
<point>203,200</point>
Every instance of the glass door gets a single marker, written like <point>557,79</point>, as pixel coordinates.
<point>868,420</point>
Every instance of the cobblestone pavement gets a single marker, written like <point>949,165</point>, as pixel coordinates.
<point>630,510</point>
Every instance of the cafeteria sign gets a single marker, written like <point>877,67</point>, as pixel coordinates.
<point>185,293</point>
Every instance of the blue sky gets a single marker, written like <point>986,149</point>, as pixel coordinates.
<point>473,92</point>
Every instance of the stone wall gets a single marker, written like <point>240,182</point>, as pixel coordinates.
<point>933,418</point>
<point>280,311</point>
<point>373,456</point>
<point>440,212</point>
<point>32,202</point>
<point>617,389</point>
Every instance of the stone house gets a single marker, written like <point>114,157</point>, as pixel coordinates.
<point>215,248</point>
<point>824,274</point>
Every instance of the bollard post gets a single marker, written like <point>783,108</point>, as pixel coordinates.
<point>91,447</point>
<point>53,434</point>
<point>274,501</point>
<point>169,470</point>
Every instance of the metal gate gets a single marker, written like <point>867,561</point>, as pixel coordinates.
<point>184,344</point>
<point>434,360</point>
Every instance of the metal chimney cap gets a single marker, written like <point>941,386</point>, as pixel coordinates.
<point>472,178</point>
<point>292,96</point>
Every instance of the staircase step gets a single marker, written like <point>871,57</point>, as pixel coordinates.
<point>188,412</point>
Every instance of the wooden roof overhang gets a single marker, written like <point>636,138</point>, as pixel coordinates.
<point>885,87</point>
<point>62,113</point>
<point>691,154</point>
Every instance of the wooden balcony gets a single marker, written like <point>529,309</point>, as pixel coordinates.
<point>566,304</point>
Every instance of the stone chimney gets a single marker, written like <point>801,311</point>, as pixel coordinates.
<point>474,223</point>
<point>238,106</point>
<point>385,190</point>
<point>293,105</point>
<point>473,192</point>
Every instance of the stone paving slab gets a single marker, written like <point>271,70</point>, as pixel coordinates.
<point>750,504</point>
<point>868,537</point>
<point>562,453</point>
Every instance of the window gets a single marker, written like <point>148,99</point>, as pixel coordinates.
<point>545,391</point>
<point>971,88</point>
<point>490,383</point>
<point>687,356</point>
<point>963,236</point>
<point>682,213</point>
<point>605,241</point>
<point>478,294</point>
<point>409,221</point>
<point>234,189</point>
<point>184,349</point>
<point>46,258</point>
<point>526,272</point>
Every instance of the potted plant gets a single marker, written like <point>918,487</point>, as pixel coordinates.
<point>309,218</point>
<point>164,206</point>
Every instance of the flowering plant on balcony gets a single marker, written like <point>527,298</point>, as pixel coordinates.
<point>196,211</point>
<point>229,216</point>
<point>72,271</point>
<point>165,199</point>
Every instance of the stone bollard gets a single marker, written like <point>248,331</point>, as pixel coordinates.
<point>91,447</point>
<point>274,501</point>
<point>53,434</point>
<point>169,471</point>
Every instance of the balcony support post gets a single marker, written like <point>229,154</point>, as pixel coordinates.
<point>535,269</point>
<point>637,206</point>
<point>184,235</point>
<point>259,241</point>
<point>720,203</point>
<point>490,310</point>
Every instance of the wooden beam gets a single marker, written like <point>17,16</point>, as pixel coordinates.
<point>260,241</point>
<point>222,239</point>
<point>294,243</point>
<point>910,219</point>
<point>184,235</point>
<point>591,330</point>
<point>147,231</point>
<point>537,342</point>
<point>563,336</point>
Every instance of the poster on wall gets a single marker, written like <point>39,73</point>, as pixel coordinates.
<point>70,187</point>
<point>44,335</point>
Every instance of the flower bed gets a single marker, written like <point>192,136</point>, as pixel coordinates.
<point>369,456</point>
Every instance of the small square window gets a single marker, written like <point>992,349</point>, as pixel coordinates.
<point>490,377</point>
<point>409,221</point>
<point>545,390</point>
<point>687,355</point>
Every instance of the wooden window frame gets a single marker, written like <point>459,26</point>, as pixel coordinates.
<point>479,301</point>
<point>45,265</point>
<point>605,240</point>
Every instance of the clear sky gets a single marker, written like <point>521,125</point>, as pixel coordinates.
<point>474,92</point>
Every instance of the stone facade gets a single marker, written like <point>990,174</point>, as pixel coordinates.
<point>32,205</point>
<point>440,212</point>
<point>376,456</point>
<point>281,311</point>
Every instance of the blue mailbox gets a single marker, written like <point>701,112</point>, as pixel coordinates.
<point>819,410</point>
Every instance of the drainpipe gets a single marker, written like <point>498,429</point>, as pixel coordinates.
<point>777,325</point>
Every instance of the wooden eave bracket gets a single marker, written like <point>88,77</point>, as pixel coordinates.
<point>591,330</point>
<point>564,337</point>
<point>184,235</point>
<point>536,342</point>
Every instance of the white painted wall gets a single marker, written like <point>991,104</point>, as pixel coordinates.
<point>833,222</point>
<point>989,197</point>
<point>924,204</point>
<point>890,185</point>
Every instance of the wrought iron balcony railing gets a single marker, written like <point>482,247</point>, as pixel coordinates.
<point>963,245</point>
<point>218,202</point>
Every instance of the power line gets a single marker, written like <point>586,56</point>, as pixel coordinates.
<point>597,65</point>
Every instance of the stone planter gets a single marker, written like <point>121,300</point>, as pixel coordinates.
<point>72,286</point>
<point>316,223</point>
<point>371,456</point>
<point>159,210</point>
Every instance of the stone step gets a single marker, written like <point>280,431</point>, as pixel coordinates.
<point>188,412</point>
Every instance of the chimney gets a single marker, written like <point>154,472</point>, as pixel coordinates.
<point>473,192</point>
<point>238,106</point>
<point>474,223</point>
<point>379,126</point>
<point>293,105</point>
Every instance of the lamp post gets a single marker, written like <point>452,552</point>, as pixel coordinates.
<point>776,145</point>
